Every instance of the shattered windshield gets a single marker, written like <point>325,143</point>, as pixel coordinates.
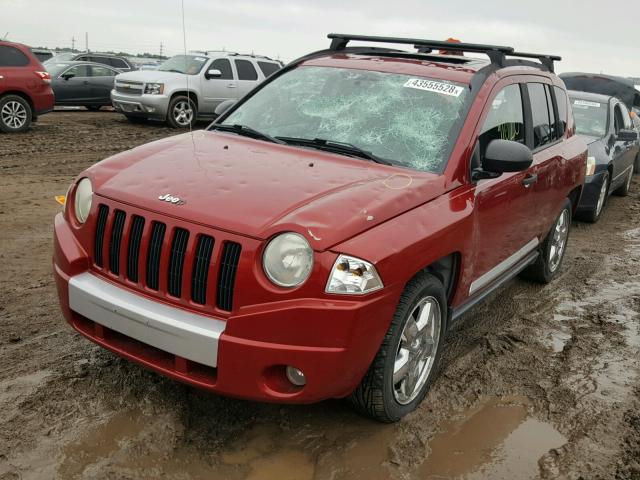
<point>590,117</point>
<point>399,118</point>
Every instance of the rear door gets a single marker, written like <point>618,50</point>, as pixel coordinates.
<point>624,153</point>
<point>101,83</point>
<point>216,90</point>
<point>14,69</point>
<point>504,233</point>
<point>247,76</point>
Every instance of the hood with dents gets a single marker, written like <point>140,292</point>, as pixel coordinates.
<point>258,189</point>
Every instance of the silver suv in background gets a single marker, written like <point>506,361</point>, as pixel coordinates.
<point>189,87</point>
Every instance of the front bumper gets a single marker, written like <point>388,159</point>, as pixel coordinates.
<point>225,356</point>
<point>146,106</point>
<point>591,192</point>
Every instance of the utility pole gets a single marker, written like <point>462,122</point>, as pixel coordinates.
<point>73,44</point>
<point>86,41</point>
<point>160,48</point>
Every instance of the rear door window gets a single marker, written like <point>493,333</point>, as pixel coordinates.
<point>224,66</point>
<point>78,71</point>
<point>543,133</point>
<point>246,70</point>
<point>118,63</point>
<point>101,71</point>
<point>12,57</point>
<point>505,120</point>
<point>268,68</point>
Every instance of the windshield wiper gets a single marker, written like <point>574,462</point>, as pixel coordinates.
<point>246,131</point>
<point>333,146</point>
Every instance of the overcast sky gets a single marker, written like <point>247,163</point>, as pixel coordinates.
<point>590,35</point>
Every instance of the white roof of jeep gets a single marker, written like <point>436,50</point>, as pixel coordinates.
<point>223,53</point>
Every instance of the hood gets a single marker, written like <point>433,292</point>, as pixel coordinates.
<point>258,189</point>
<point>148,76</point>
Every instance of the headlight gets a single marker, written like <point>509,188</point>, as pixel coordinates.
<point>288,260</point>
<point>154,88</point>
<point>84,195</point>
<point>353,276</point>
<point>591,166</point>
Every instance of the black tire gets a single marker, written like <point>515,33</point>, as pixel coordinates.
<point>93,108</point>
<point>375,397</point>
<point>623,191</point>
<point>135,119</point>
<point>636,164</point>
<point>15,114</point>
<point>593,215</point>
<point>172,117</point>
<point>544,270</point>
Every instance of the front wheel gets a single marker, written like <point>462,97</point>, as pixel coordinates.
<point>15,114</point>
<point>636,164</point>
<point>593,215</point>
<point>182,112</point>
<point>407,361</point>
<point>553,248</point>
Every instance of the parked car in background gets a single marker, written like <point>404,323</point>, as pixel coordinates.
<point>605,123</point>
<point>42,55</point>
<point>321,237</point>
<point>82,84</point>
<point>186,88</point>
<point>119,63</point>
<point>25,90</point>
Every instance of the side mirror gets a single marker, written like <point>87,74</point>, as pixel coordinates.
<point>213,73</point>
<point>627,136</point>
<point>506,156</point>
<point>67,76</point>
<point>224,106</point>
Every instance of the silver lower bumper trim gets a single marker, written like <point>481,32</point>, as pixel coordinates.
<point>173,330</point>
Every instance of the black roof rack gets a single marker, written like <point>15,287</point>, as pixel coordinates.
<point>496,53</point>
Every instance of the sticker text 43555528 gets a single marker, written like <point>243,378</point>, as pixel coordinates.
<point>433,86</point>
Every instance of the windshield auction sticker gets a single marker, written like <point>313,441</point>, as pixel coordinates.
<point>585,103</point>
<point>432,86</point>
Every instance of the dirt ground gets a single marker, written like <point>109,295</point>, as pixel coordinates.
<point>539,382</point>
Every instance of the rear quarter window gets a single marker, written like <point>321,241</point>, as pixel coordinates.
<point>268,68</point>
<point>246,70</point>
<point>12,57</point>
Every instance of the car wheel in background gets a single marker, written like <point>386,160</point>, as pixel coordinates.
<point>92,108</point>
<point>549,261</point>
<point>408,358</point>
<point>182,112</point>
<point>593,215</point>
<point>623,191</point>
<point>15,114</point>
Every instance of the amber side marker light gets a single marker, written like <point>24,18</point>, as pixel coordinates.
<point>61,199</point>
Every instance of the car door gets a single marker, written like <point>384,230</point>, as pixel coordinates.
<point>623,152</point>
<point>247,76</point>
<point>217,89</point>
<point>72,85</point>
<point>101,83</point>
<point>503,234</point>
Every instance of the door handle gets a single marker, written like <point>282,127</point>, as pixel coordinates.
<point>529,180</point>
<point>231,85</point>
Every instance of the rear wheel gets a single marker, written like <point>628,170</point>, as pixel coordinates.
<point>623,191</point>
<point>182,112</point>
<point>407,361</point>
<point>553,248</point>
<point>15,114</point>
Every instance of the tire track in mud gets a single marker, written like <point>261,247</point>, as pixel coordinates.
<point>568,348</point>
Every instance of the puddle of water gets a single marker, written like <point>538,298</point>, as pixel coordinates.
<point>497,440</point>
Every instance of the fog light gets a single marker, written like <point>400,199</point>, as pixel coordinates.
<point>151,109</point>
<point>296,376</point>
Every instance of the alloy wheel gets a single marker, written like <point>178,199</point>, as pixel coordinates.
<point>602,196</point>
<point>14,114</point>
<point>183,113</point>
<point>417,350</point>
<point>559,240</point>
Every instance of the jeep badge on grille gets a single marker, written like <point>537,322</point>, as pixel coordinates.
<point>167,197</point>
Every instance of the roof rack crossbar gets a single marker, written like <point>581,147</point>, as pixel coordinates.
<point>546,60</point>
<point>496,53</point>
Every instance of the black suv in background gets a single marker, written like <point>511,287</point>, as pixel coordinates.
<point>115,61</point>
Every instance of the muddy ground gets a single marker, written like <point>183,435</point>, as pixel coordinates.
<point>541,381</point>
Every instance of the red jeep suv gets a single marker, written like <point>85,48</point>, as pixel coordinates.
<point>25,88</point>
<point>321,237</point>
